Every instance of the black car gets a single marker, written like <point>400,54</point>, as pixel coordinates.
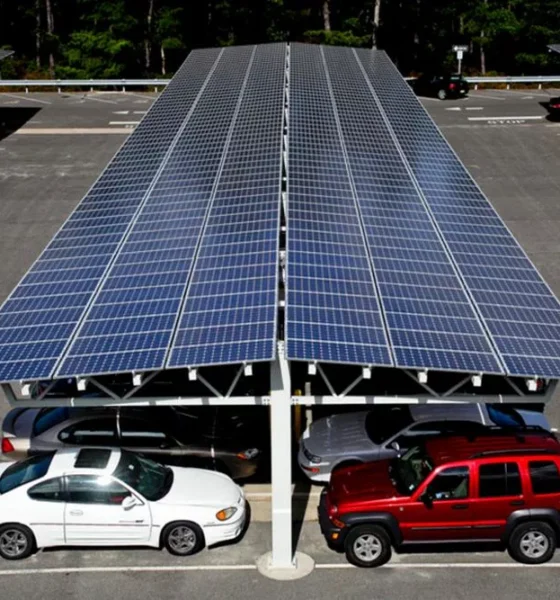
<point>553,107</point>
<point>206,437</point>
<point>441,86</point>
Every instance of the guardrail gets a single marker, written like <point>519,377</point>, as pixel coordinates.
<point>82,83</point>
<point>157,83</point>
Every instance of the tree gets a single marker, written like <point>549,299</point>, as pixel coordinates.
<point>168,33</point>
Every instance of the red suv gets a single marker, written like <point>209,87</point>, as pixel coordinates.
<point>482,488</point>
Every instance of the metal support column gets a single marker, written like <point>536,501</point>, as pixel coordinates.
<point>281,453</point>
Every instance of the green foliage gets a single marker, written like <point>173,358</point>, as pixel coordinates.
<point>116,38</point>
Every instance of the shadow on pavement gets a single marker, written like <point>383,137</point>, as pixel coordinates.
<point>12,118</point>
<point>300,500</point>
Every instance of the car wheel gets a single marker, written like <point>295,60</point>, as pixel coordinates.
<point>442,94</point>
<point>368,546</point>
<point>532,543</point>
<point>16,542</point>
<point>183,538</point>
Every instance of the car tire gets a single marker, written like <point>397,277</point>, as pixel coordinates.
<point>16,542</point>
<point>183,538</point>
<point>368,546</point>
<point>532,543</point>
<point>442,94</point>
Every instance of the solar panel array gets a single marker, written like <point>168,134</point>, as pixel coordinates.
<point>430,320</point>
<point>394,256</point>
<point>332,312</point>
<point>513,301</point>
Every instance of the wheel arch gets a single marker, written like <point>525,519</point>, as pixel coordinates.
<point>381,519</point>
<point>550,516</point>
<point>174,522</point>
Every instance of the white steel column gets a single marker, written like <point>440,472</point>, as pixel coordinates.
<point>281,457</point>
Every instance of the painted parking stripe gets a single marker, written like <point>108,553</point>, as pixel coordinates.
<point>124,122</point>
<point>72,130</point>
<point>26,98</point>
<point>253,567</point>
<point>530,117</point>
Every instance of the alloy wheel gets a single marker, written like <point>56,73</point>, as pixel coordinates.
<point>367,547</point>
<point>534,544</point>
<point>13,543</point>
<point>182,539</point>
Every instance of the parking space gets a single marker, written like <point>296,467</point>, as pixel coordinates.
<point>62,143</point>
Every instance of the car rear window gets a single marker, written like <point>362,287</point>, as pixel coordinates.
<point>49,417</point>
<point>545,478</point>
<point>25,471</point>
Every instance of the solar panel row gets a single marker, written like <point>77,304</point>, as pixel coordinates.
<point>332,312</point>
<point>516,306</point>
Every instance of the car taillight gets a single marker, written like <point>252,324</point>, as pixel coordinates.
<point>452,86</point>
<point>333,510</point>
<point>7,446</point>
<point>555,106</point>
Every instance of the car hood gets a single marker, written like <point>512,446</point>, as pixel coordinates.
<point>338,434</point>
<point>202,488</point>
<point>363,482</point>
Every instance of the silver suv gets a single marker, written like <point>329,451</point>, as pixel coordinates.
<point>380,433</point>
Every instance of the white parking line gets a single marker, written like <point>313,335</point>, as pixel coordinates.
<point>253,567</point>
<point>482,95</point>
<point>141,95</point>
<point>530,117</point>
<point>475,108</point>
<point>71,130</point>
<point>87,97</point>
<point>26,98</point>
<point>520,92</point>
<point>124,122</point>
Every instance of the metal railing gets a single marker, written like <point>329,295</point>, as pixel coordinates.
<point>123,84</point>
<point>84,83</point>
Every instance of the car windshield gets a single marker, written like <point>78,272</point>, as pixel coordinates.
<point>25,471</point>
<point>409,470</point>
<point>49,417</point>
<point>383,422</point>
<point>148,478</point>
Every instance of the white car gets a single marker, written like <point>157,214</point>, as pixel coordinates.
<point>108,497</point>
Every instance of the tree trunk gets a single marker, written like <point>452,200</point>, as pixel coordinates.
<point>327,15</point>
<point>482,55</point>
<point>376,20</point>
<point>38,33</point>
<point>50,29</point>
<point>163,67</point>
<point>148,39</point>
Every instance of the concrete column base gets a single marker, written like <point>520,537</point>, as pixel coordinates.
<point>302,566</point>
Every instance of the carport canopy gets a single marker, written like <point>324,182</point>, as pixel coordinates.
<point>283,211</point>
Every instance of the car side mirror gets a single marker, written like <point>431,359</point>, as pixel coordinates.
<point>395,445</point>
<point>427,499</point>
<point>129,502</point>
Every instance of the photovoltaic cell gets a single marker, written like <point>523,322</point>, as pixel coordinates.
<point>431,321</point>
<point>130,324</point>
<point>513,301</point>
<point>332,309</point>
<point>229,315</point>
<point>41,314</point>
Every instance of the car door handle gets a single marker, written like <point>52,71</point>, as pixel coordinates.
<point>460,506</point>
<point>76,513</point>
<point>517,503</point>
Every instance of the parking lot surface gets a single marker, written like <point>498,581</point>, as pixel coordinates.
<point>61,144</point>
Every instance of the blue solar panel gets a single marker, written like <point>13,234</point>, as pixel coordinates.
<point>515,304</point>
<point>130,324</point>
<point>229,315</point>
<point>422,304</point>
<point>332,309</point>
<point>53,296</point>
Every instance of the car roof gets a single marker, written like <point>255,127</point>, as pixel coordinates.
<point>64,461</point>
<point>446,449</point>
<point>438,412</point>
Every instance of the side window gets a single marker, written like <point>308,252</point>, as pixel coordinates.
<point>137,433</point>
<point>94,489</point>
<point>48,491</point>
<point>499,479</point>
<point>450,484</point>
<point>91,432</point>
<point>545,478</point>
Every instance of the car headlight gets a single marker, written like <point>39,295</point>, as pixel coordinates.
<point>226,513</point>
<point>310,457</point>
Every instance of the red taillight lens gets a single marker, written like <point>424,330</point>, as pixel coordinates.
<point>310,469</point>
<point>452,86</point>
<point>7,445</point>
<point>555,106</point>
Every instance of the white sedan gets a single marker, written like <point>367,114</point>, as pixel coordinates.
<point>108,497</point>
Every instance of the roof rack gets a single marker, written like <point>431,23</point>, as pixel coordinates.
<point>518,432</point>
<point>503,452</point>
